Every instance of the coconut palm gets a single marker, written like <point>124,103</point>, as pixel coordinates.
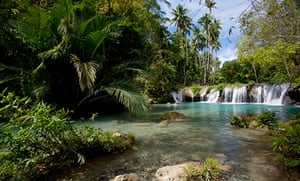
<point>206,22</point>
<point>210,4</point>
<point>198,42</point>
<point>183,26</point>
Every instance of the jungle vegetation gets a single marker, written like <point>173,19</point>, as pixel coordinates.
<point>62,58</point>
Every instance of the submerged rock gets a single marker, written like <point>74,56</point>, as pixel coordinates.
<point>171,117</point>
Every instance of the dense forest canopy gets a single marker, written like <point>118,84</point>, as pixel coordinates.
<point>86,54</point>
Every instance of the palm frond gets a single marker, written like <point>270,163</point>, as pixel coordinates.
<point>6,67</point>
<point>41,91</point>
<point>7,79</point>
<point>86,72</point>
<point>95,38</point>
<point>83,26</point>
<point>127,95</point>
<point>57,51</point>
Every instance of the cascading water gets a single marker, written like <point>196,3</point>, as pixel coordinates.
<point>203,93</point>
<point>261,94</point>
<point>227,94</point>
<point>257,94</point>
<point>275,94</point>
<point>177,96</point>
<point>239,95</point>
<point>269,94</point>
<point>213,96</point>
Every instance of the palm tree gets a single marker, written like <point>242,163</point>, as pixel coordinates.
<point>210,4</point>
<point>215,43</point>
<point>183,26</point>
<point>81,42</point>
<point>206,22</point>
<point>198,44</point>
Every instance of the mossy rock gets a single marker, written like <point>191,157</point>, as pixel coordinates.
<point>173,116</point>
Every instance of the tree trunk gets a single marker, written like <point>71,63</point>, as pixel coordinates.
<point>255,73</point>
<point>287,69</point>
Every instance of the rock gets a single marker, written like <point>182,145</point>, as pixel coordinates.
<point>127,177</point>
<point>117,134</point>
<point>186,171</point>
<point>123,137</point>
<point>174,172</point>
<point>164,123</point>
<point>173,116</point>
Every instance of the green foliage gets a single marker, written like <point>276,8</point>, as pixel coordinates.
<point>286,141</point>
<point>36,139</point>
<point>172,116</point>
<point>271,41</point>
<point>264,120</point>
<point>243,120</point>
<point>208,171</point>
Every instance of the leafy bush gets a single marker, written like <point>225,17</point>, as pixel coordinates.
<point>36,139</point>
<point>265,120</point>
<point>243,120</point>
<point>286,141</point>
<point>209,171</point>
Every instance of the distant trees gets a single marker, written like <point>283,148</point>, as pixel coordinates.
<point>271,40</point>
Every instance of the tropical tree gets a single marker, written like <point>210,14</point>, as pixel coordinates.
<point>206,21</point>
<point>210,4</point>
<point>183,26</point>
<point>268,26</point>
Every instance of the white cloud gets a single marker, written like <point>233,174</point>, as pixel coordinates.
<point>227,12</point>
<point>227,54</point>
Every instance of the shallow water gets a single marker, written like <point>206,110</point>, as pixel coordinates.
<point>208,134</point>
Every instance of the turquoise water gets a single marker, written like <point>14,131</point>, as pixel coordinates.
<point>208,134</point>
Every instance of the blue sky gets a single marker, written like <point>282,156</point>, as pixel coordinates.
<point>227,12</point>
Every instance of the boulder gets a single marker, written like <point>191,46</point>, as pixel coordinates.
<point>174,172</point>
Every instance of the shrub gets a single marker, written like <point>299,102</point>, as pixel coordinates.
<point>37,139</point>
<point>265,120</point>
<point>210,170</point>
<point>243,120</point>
<point>286,141</point>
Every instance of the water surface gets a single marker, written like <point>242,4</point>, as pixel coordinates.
<point>208,134</point>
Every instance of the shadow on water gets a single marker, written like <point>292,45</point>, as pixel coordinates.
<point>208,134</point>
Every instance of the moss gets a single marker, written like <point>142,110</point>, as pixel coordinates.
<point>172,116</point>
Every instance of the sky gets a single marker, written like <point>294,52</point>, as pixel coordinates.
<point>227,12</point>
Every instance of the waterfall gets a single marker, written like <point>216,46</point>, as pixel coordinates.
<point>239,95</point>
<point>275,94</point>
<point>189,93</point>
<point>270,94</point>
<point>227,94</point>
<point>203,93</point>
<point>213,96</point>
<point>177,96</point>
<point>257,92</point>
